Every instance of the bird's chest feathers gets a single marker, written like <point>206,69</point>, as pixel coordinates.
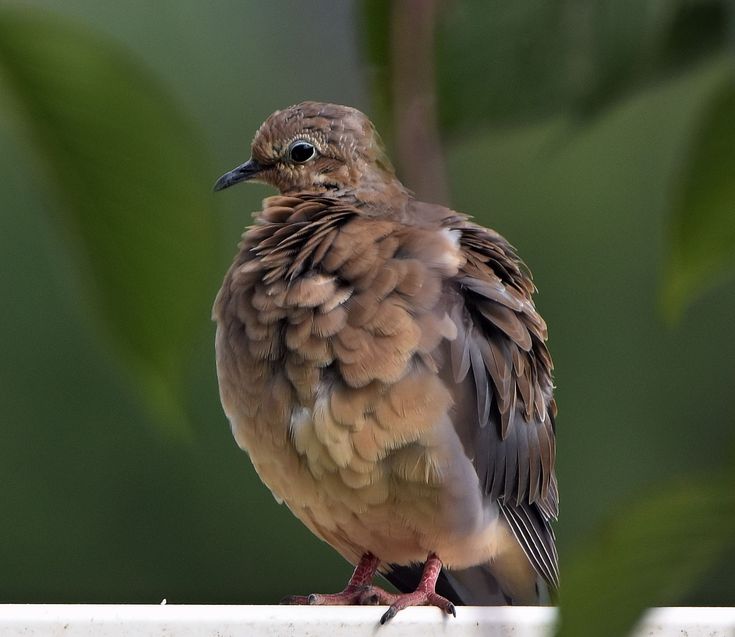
<point>321,396</point>
<point>326,337</point>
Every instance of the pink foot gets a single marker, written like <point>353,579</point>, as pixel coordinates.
<point>366,595</point>
<point>417,598</point>
<point>358,589</point>
<point>424,595</point>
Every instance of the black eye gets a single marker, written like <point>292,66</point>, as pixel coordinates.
<point>301,152</point>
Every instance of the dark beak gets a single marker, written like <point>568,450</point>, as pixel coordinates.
<point>246,171</point>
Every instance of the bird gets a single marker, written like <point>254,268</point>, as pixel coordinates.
<point>383,364</point>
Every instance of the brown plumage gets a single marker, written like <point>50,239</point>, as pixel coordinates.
<point>382,362</point>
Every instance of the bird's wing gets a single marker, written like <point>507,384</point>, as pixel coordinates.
<point>501,378</point>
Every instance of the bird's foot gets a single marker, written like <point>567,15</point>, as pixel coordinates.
<point>419,597</point>
<point>369,595</point>
<point>359,590</point>
<point>364,595</point>
<point>424,595</point>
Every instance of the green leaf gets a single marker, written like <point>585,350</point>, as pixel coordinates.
<point>656,549</point>
<point>701,238</point>
<point>134,190</point>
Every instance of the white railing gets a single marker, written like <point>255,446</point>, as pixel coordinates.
<point>116,620</point>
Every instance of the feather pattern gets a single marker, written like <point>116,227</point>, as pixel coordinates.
<point>514,447</point>
<point>383,363</point>
<point>348,292</point>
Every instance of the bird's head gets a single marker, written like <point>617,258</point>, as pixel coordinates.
<point>315,147</point>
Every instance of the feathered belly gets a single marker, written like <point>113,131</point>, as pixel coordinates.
<point>376,469</point>
<point>412,502</point>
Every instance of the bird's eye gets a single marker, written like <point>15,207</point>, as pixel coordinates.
<point>301,151</point>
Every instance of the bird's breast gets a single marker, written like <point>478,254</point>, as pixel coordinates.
<point>326,352</point>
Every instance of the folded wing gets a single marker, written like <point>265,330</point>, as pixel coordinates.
<point>500,357</point>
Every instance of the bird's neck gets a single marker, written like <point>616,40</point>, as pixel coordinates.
<point>381,195</point>
<point>375,192</point>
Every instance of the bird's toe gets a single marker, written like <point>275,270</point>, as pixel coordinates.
<point>418,598</point>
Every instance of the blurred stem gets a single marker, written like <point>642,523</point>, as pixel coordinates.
<point>418,145</point>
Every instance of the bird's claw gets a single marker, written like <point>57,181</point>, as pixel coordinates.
<point>418,598</point>
<point>295,600</point>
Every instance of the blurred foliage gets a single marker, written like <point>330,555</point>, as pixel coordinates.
<point>649,554</point>
<point>575,58</point>
<point>508,62</point>
<point>597,136</point>
<point>570,56</point>
<point>136,215</point>
<point>702,227</point>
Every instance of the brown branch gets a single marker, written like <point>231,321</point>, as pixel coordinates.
<point>418,145</point>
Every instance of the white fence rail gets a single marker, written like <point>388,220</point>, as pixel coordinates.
<point>115,620</point>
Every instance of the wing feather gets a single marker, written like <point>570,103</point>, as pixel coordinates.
<point>536,539</point>
<point>482,387</point>
<point>500,351</point>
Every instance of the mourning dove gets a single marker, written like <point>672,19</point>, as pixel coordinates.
<point>382,362</point>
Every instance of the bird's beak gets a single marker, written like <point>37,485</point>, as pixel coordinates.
<point>246,171</point>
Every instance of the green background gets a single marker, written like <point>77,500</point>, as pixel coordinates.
<point>580,134</point>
